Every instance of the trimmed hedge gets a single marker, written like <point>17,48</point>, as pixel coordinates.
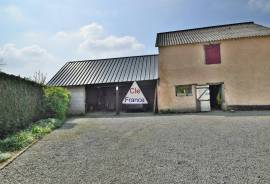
<point>20,103</point>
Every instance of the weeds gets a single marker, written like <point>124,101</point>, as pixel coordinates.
<point>24,138</point>
<point>4,156</point>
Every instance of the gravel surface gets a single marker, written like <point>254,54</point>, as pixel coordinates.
<point>185,148</point>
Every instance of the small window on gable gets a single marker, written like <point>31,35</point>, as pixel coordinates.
<point>212,54</point>
<point>183,90</point>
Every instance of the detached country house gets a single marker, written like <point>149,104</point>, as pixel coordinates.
<point>219,67</point>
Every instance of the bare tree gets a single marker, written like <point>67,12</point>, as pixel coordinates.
<point>39,77</point>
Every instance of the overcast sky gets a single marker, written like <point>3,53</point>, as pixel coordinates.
<point>44,34</point>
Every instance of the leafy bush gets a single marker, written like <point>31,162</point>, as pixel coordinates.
<point>16,141</point>
<point>4,156</point>
<point>45,126</point>
<point>23,139</point>
<point>39,131</point>
<point>26,137</point>
<point>51,122</point>
<point>8,144</point>
<point>56,101</point>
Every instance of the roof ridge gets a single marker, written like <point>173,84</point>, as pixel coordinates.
<point>112,58</point>
<point>212,33</point>
<point>208,27</point>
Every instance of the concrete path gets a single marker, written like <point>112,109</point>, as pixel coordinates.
<point>190,148</point>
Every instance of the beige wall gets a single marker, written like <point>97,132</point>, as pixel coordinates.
<point>244,69</point>
<point>77,102</point>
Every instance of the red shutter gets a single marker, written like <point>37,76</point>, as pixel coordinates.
<point>212,54</point>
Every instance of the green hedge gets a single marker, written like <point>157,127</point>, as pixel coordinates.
<point>20,103</point>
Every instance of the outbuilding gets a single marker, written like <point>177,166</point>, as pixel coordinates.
<point>218,67</point>
<point>94,84</point>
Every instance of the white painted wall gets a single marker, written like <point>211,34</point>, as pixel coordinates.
<point>77,102</point>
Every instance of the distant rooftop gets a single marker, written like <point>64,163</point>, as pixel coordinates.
<point>110,70</point>
<point>212,33</point>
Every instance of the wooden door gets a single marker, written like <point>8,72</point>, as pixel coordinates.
<point>203,97</point>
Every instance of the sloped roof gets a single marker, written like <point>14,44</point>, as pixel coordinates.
<point>213,33</point>
<point>111,70</point>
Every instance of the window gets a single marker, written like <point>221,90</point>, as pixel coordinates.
<point>183,90</point>
<point>212,54</point>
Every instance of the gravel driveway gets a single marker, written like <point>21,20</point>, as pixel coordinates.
<point>189,148</point>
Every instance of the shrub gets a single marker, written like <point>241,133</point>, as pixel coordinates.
<point>4,156</point>
<point>39,131</point>
<point>56,122</point>
<point>24,138</point>
<point>56,101</point>
<point>17,141</point>
<point>8,144</point>
<point>50,122</point>
<point>45,126</point>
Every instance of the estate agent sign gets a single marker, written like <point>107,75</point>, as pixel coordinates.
<point>134,95</point>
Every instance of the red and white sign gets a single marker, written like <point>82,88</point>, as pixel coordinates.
<point>134,95</point>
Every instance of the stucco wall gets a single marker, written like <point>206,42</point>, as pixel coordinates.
<point>244,69</point>
<point>77,103</point>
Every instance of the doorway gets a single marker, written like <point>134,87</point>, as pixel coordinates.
<point>215,96</point>
<point>100,98</point>
<point>203,98</point>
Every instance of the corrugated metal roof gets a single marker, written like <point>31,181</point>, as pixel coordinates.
<point>111,70</point>
<point>213,33</point>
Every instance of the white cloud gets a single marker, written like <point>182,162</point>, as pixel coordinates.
<point>86,42</point>
<point>93,31</point>
<point>263,5</point>
<point>33,54</point>
<point>48,52</point>
<point>111,43</point>
<point>26,60</point>
<point>111,46</point>
<point>92,42</point>
<point>33,51</point>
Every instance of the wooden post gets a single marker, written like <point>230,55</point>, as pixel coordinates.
<point>117,100</point>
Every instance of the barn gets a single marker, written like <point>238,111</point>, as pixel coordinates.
<point>223,67</point>
<point>101,85</point>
